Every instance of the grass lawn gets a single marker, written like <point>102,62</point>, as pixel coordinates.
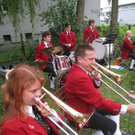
<point>127,121</point>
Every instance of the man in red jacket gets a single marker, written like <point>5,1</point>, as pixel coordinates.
<point>127,48</point>
<point>81,93</point>
<point>46,36</point>
<point>68,40</point>
<point>91,32</point>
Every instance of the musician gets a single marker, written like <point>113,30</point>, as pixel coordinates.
<point>68,40</point>
<point>20,116</point>
<point>127,48</point>
<point>46,36</point>
<point>81,94</point>
<point>91,31</point>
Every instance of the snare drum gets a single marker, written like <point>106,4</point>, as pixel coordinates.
<point>62,79</point>
<point>61,63</point>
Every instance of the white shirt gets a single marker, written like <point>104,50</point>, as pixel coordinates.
<point>46,44</point>
<point>29,110</point>
<point>92,28</point>
<point>129,39</point>
<point>68,32</point>
<point>98,83</point>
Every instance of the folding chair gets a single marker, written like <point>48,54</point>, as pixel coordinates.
<point>125,61</point>
<point>60,93</point>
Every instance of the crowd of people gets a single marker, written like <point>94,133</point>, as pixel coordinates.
<point>81,90</point>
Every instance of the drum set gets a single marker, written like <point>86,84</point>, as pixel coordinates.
<point>63,63</point>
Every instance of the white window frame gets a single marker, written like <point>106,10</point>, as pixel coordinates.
<point>132,7</point>
<point>125,6</point>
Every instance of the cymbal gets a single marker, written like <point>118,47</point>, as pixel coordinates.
<point>51,50</point>
<point>37,63</point>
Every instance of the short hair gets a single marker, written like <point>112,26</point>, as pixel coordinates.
<point>91,21</point>
<point>46,33</point>
<point>127,32</point>
<point>67,24</point>
<point>81,51</point>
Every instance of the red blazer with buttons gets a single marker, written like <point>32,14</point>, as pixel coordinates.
<point>40,56</point>
<point>65,39</point>
<point>126,48</point>
<point>82,94</point>
<point>88,32</point>
<point>19,126</point>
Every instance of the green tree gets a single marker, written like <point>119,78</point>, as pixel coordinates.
<point>16,11</point>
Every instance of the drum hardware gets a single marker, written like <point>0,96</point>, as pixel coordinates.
<point>51,50</point>
<point>114,84</point>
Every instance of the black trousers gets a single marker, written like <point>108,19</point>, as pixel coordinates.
<point>100,122</point>
<point>66,52</point>
<point>49,68</point>
<point>132,55</point>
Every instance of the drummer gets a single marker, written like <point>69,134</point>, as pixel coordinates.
<point>91,32</point>
<point>68,40</point>
<point>46,36</point>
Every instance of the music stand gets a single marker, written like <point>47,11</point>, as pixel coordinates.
<point>110,39</point>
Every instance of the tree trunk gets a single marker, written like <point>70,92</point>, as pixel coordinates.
<point>80,11</point>
<point>114,17</point>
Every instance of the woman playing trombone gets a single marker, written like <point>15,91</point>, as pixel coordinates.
<point>21,116</point>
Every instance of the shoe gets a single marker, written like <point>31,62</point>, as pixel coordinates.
<point>53,89</point>
<point>126,133</point>
<point>132,69</point>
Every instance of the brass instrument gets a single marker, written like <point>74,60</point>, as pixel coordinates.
<point>111,74</point>
<point>116,76</point>
<point>79,118</point>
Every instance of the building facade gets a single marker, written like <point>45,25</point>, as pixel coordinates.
<point>126,11</point>
<point>7,35</point>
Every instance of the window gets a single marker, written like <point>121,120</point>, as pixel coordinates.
<point>28,35</point>
<point>125,7</point>
<point>7,38</point>
<point>133,6</point>
<point>119,9</point>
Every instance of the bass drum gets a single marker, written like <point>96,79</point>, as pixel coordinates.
<point>62,79</point>
<point>100,49</point>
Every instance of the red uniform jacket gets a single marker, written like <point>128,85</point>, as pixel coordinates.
<point>40,56</point>
<point>82,94</point>
<point>19,126</point>
<point>126,49</point>
<point>88,32</point>
<point>65,39</point>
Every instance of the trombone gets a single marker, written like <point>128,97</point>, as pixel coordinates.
<point>120,78</point>
<point>79,118</point>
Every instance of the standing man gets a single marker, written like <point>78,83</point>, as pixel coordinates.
<point>91,32</point>
<point>68,40</point>
<point>81,94</point>
<point>46,36</point>
<point>127,49</point>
